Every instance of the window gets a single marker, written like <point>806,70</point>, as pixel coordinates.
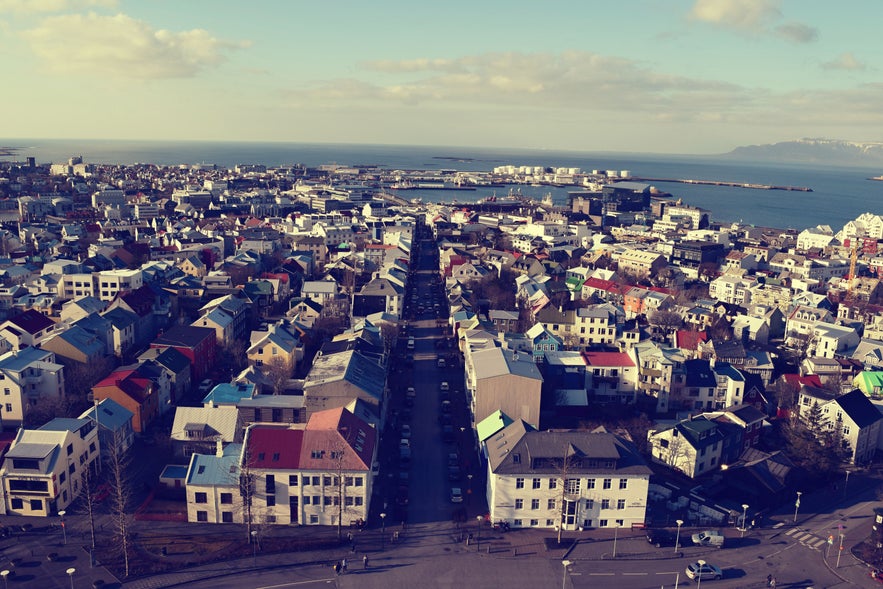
<point>6,391</point>
<point>348,501</point>
<point>306,499</point>
<point>536,483</point>
<point>327,500</point>
<point>608,483</point>
<point>359,501</point>
<point>326,480</point>
<point>534,503</point>
<point>517,523</point>
<point>17,504</point>
<point>62,477</point>
<point>550,504</point>
<point>534,522</point>
<point>519,483</point>
<point>550,523</point>
<point>226,498</point>
<point>605,503</point>
<point>620,503</point>
<point>72,468</point>
<point>571,486</point>
<point>8,407</point>
<point>348,481</point>
<point>292,480</point>
<point>358,481</point>
<point>314,519</point>
<point>602,523</point>
<point>271,500</point>
<point>316,481</point>
<point>202,516</point>
<point>70,449</point>
<point>553,483</point>
<point>590,484</point>
<point>201,498</point>
<point>623,483</point>
<point>306,481</point>
<point>317,500</point>
<point>519,504</point>
<point>227,517</point>
<point>92,447</point>
<point>271,483</point>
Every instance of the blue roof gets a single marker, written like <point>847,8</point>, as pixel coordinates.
<point>64,424</point>
<point>229,394</point>
<point>111,415</point>
<point>211,470</point>
<point>120,317</point>
<point>19,360</point>
<point>82,340</point>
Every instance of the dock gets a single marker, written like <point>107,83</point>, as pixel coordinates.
<point>751,185</point>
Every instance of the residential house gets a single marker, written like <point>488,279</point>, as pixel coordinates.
<point>116,433</point>
<point>197,344</point>
<point>43,470</point>
<point>26,377</point>
<point>504,321</point>
<point>692,446</point>
<point>611,377</point>
<point>503,380</point>
<point>855,415</point>
<point>76,345</point>
<point>177,368</point>
<point>198,430</point>
<point>30,328</point>
<point>134,392</point>
<point>575,479</point>
<point>123,324</point>
<point>336,379</point>
<point>279,345</point>
<point>542,341</point>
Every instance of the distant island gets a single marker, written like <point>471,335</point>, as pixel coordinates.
<point>832,152</point>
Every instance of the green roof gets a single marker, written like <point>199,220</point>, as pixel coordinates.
<point>492,424</point>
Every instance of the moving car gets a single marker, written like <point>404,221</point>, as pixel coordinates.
<point>456,495</point>
<point>703,571</point>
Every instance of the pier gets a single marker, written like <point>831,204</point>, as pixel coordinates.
<point>725,183</point>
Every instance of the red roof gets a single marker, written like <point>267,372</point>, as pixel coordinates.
<point>689,340</point>
<point>274,448</point>
<point>607,359</point>
<point>811,380</point>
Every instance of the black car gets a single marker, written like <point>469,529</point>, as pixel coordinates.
<point>448,434</point>
<point>454,473</point>
<point>660,538</point>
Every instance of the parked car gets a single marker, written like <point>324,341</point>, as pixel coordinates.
<point>206,386</point>
<point>441,362</point>
<point>660,538</point>
<point>454,473</point>
<point>453,459</point>
<point>448,434</point>
<point>456,495</point>
<point>406,431</point>
<point>404,443</point>
<point>444,385</point>
<point>709,538</point>
<point>703,571</point>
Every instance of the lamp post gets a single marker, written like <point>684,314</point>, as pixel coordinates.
<point>744,515</point>
<point>797,505</point>
<point>478,519</point>
<point>845,484</point>
<point>70,573</point>
<point>63,531</point>
<point>469,490</point>
<point>254,548</point>
<point>382,530</point>
<point>615,535</point>
<point>840,551</point>
<point>5,574</point>
<point>680,522</point>
<point>566,564</point>
<point>701,564</point>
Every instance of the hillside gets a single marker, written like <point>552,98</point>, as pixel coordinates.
<point>815,151</point>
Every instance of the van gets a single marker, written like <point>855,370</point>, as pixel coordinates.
<point>410,343</point>
<point>709,538</point>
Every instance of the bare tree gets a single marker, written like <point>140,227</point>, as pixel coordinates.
<point>278,371</point>
<point>390,334</point>
<point>667,321</point>
<point>118,462</point>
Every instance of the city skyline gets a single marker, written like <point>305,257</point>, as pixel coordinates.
<point>688,76</point>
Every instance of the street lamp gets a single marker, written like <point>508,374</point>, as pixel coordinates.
<point>70,573</point>
<point>701,564</point>
<point>382,530</point>
<point>5,574</point>
<point>797,505</point>
<point>566,564</point>
<point>63,531</point>
<point>254,548</point>
<point>840,551</point>
<point>680,522</point>
<point>469,490</point>
<point>744,515</point>
<point>845,484</point>
<point>478,519</point>
<point>615,536</point>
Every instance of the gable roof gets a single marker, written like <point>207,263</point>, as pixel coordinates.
<point>31,321</point>
<point>109,414</point>
<point>214,422</point>
<point>859,408</point>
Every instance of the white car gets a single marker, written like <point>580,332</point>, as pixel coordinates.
<point>703,571</point>
<point>206,386</point>
<point>406,431</point>
<point>404,443</point>
<point>444,385</point>
<point>456,495</point>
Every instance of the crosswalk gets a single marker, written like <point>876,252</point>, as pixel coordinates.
<point>808,539</point>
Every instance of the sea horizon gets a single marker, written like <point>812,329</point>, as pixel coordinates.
<point>838,193</point>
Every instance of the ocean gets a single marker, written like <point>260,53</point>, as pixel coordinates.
<point>838,195</point>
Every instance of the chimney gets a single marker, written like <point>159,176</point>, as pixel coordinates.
<point>219,448</point>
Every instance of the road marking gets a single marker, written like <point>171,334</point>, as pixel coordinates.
<point>294,583</point>
<point>802,536</point>
<point>778,525</point>
<point>792,531</point>
<point>818,543</point>
<point>601,574</point>
<point>634,574</point>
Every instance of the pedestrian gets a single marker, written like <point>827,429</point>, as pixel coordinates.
<point>773,582</point>
<point>343,565</point>
<point>349,536</point>
<point>769,580</point>
<point>336,568</point>
<point>365,561</point>
<point>353,547</point>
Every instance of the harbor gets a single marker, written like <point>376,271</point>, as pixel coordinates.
<point>751,185</point>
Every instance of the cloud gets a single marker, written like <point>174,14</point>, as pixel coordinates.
<point>120,46</point>
<point>845,62</point>
<point>797,32</point>
<point>43,6</point>
<point>740,14</point>
<point>757,17</point>
<point>574,81</point>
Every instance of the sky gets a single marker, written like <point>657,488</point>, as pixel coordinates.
<point>650,76</point>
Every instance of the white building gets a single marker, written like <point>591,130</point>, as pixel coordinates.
<point>26,376</point>
<point>580,479</point>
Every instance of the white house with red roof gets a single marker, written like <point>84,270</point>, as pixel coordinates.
<point>611,377</point>
<point>313,474</point>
